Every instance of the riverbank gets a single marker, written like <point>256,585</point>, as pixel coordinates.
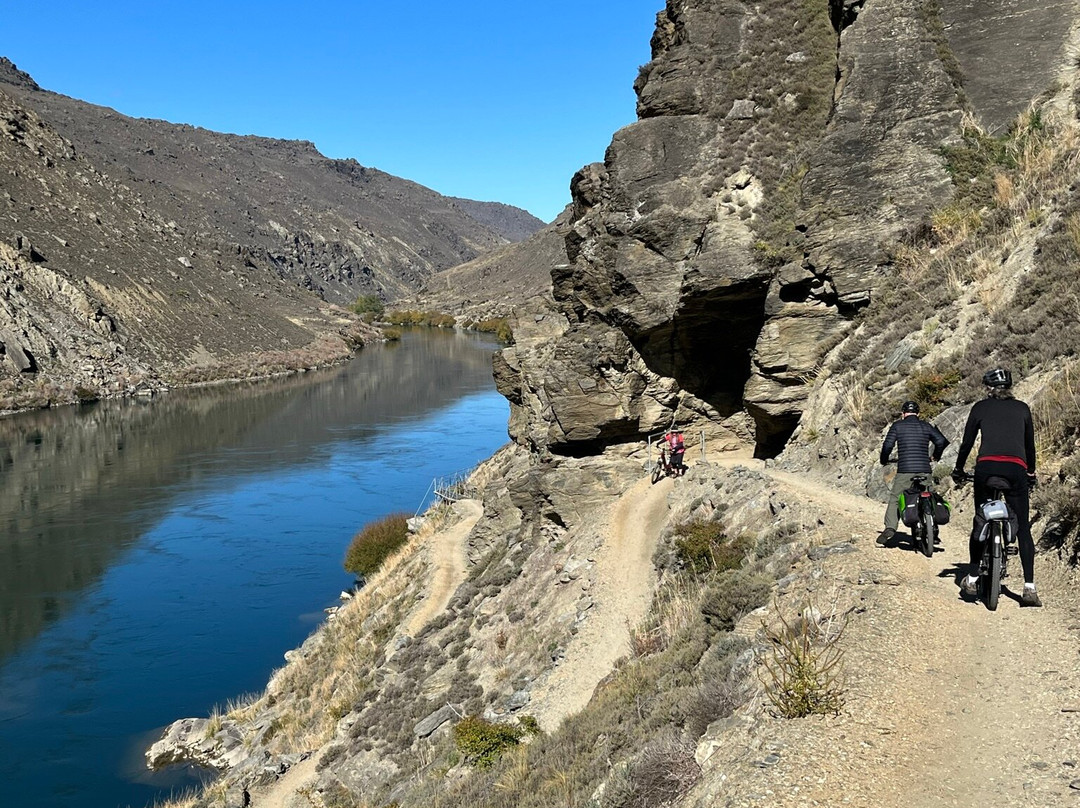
<point>43,391</point>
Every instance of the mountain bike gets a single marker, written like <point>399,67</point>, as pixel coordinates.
<point>663,467</point>
<point>919,515</point>
<point>998,538</point>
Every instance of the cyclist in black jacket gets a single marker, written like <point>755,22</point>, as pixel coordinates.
<point>912,438</point>
<point>1007,450</point>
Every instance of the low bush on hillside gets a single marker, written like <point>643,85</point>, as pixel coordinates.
<point>413,317</point>
<point>734,594</point>
<point>803,674</point>
<point>499,326</point>
<point>370,547</point>
<point>703,546</point>
<point>482,742</point>
<point>369,306</point>
<point>663,772</point>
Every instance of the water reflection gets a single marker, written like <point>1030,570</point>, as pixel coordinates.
<point>79,485</point>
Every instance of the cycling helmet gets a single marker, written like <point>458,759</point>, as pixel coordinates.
<point>998,377</point>
<point>910,407</point>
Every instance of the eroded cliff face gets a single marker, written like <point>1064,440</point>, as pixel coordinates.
<point>782,151</point>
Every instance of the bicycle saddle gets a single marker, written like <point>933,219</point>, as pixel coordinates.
<point>996,483</point>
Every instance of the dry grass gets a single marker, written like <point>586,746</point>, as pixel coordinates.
<point>322,352</point>
<point>676,606</point>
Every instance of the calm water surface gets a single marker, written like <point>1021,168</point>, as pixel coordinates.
<point>158,557</point>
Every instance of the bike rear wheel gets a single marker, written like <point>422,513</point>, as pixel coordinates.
<point>992,585</point>
<point>929,530</point>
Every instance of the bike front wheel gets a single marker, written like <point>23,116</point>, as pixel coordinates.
<point>992,585</point>
<point>929,531</point>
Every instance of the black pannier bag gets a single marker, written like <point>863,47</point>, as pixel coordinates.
<point>908,507</point>
<point>942,510</point>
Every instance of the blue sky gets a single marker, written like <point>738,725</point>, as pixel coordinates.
<point>498,101</point>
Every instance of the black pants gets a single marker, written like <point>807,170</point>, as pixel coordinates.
<point>1017,498</point>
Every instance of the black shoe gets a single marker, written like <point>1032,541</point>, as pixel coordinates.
<point>1030,597</point>
<point>885,536</point>
<point>969,588</point>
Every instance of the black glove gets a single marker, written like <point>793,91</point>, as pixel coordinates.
<point>1032,481</point>
<point>958,476</point>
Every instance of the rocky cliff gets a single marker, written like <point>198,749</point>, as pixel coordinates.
<point>732,234</point>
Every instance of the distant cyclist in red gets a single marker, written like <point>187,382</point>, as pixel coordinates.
<point>676,447</point>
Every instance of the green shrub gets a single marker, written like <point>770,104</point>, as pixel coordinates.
<point>430,319</point>
<point>482,742</point>
<point>733,594</point>
<point>369,304</point>
<point>703,546</point>
<point>499,326</point>
<point>392,333</point>
<point>371,546</point>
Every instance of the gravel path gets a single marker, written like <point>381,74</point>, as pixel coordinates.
<point>947,704</point>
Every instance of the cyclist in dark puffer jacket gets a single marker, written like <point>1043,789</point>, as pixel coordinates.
<point>1007,449</point>
<point>912,438</point>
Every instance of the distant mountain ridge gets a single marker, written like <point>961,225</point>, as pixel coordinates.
<point>333,226</point>
<point>177,247</point>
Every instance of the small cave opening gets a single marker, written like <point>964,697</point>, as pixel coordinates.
<point>707,345</point>
<point>773,432</point>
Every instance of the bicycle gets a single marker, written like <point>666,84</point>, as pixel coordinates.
<point>998,538</point>
<point>662,468</point>
<point>920,515</point>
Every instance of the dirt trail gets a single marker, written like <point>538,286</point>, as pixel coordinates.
<point>947,704</point>
<point>451,564</point>
<point>449,571</point>
<point>625,578</point>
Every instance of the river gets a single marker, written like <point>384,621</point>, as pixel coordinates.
<point>158,557</point>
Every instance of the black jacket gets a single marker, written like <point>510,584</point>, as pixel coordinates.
<point>912,438</point>
<point>1006,429</point>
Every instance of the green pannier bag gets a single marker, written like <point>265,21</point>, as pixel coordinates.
<point>907,505</point>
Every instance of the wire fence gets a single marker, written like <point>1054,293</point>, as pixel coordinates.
<point>450,488</point>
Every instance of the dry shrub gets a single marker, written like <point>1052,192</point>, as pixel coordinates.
<point>734,594</point>
<point>802,675</point>
<point>662,774</point>
<point>370,547</point>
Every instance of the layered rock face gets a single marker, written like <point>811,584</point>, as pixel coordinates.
<point>730,235</point>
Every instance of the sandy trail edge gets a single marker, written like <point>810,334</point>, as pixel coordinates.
<point>625,579</point>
